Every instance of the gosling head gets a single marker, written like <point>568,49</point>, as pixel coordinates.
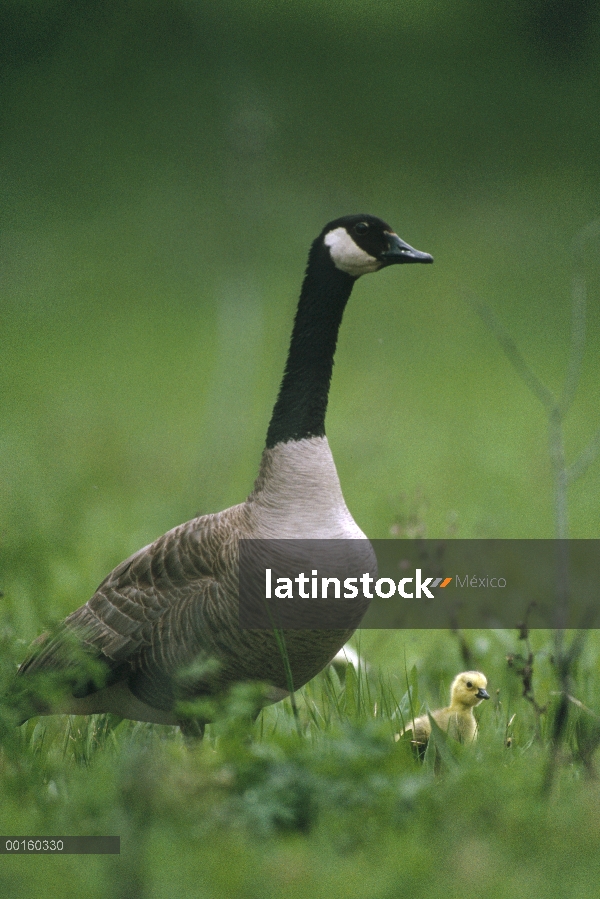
<point>468,689</point>
<point>359,244</point>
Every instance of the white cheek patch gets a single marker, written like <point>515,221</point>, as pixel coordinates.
<point>348,256</point>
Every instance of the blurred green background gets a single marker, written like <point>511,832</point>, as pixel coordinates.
<point>165,166</point>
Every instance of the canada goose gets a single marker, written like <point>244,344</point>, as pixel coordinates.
<point>173,604</point>
<point>458,720</point>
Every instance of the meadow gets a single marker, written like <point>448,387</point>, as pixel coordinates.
<point>165,168</point>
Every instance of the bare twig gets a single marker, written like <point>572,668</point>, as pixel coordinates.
<point>464,648</point>
<point>523,666</point>
<point>585,459</point>
<point>513,354</point>
<point>576,702</point>
<point>564,475</point>
<point>557,409</point>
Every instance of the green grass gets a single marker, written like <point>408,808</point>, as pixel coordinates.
<point>336,809</point>
<point>165,167</point>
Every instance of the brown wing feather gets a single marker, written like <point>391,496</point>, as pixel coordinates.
<point>173,606</point>
<point>138,621</point>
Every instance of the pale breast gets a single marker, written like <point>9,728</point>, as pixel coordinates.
<point>297,495</point>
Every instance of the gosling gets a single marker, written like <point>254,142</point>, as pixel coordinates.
<point>458,720</point>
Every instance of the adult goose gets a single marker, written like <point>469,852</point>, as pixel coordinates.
<point>159,620</point>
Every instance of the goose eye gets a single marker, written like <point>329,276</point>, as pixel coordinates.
<point>469,684</point>
<point>361,228</point>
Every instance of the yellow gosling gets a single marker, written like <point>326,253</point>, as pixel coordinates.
<point>468,690</point>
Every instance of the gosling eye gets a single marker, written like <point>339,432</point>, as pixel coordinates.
<point>469,684</point>
<point>361,228</point>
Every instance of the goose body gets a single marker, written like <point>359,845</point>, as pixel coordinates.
<point>468,690</point>
<point>159,620</point>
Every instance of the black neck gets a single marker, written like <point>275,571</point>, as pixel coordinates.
<point>302,402</point>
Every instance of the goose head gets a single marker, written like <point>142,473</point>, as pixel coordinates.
<point>359,244</point>
<point>468,689</point>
